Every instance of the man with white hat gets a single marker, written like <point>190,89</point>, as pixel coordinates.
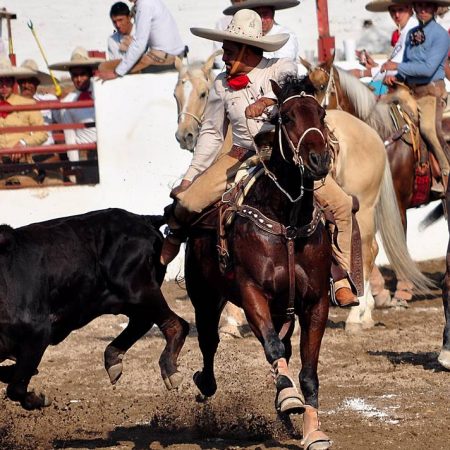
<point>156,42</point>
<point>81,68</point>
<point>266,10</point>
<point>423,70</point>
<point>243,92</point>
<point>20,140</point>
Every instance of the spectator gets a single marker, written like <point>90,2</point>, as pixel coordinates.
<point>20,140</point>
<point>81,68</point>
<point>154,46</point>
<point>120,40</point>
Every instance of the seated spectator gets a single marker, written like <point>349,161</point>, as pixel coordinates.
<point>154,46</point>
<point>20,140</point>
<point>81,68</point>
<point>120,40</point>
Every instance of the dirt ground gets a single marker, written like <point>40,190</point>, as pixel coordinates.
<point>382,389</point>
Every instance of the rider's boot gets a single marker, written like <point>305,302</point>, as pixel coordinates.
<point>344,295</point>
<point>176,235</point>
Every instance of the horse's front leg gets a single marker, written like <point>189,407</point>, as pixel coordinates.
<point>313,319</point>
<point>256,307</point>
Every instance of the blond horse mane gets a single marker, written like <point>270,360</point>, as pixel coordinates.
<point>367,107</point>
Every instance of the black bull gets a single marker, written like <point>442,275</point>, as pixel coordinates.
<point>57,276</point>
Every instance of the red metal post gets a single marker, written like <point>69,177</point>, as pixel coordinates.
<point>326,43</point>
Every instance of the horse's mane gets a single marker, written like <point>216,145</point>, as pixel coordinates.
<point>367,108</point>
<point>294,85</point>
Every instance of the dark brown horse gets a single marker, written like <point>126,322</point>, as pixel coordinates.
<point>337,89</point>
<point>281,259</point>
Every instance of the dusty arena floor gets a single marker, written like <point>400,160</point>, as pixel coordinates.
<point>381,389</point>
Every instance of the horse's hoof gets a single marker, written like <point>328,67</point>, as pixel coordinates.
<point>353,328</point>
<point>173,381</point>
<point>383,299</point>
<point>289,401</point>
<point>444,359</point>
<point>367,324</point>
<point>115,372</point>
<point>316,440</point>
<point>207,391</point>
<point>229,332</point>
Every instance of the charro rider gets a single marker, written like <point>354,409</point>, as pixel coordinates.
<point>244,90</point>
<point>422,70</point>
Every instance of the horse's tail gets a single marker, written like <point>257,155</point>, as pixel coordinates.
<point>389,225</point>
<point>433,216</point>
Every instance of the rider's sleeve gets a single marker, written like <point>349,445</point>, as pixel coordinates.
<point>211,136</point>
<point>138,46</point>
<point>283,68</point>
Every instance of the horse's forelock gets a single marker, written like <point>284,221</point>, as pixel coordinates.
<point>295,85</point>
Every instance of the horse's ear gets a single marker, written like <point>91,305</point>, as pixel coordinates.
<point>328,62</point>
<point>275,88</point>
<point>209,63</point>
<point>178,63</point>
<point>305,63</point>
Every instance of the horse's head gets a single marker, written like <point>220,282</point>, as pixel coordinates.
<point>320,77</point>
<point>191,93</point>
<point>302,134</point>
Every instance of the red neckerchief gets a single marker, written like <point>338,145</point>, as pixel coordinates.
<point>4,114</point>
<point>85,95</point>
<point>395,37</point>
<point>238,82</point>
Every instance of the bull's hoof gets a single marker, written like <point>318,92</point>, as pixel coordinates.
<point>207,389</point>
<point>290,401</point>
<point>115,372</point>
<point>35,401</point>
<point>444,358</point>
<point>173,381</point>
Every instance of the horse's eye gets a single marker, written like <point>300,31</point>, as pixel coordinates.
<point>285,118</point>
<point>203,95</point>
<point>322,87</point>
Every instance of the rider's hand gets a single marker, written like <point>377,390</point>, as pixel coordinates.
<point>390,80</point>
<point>388,65</point>
<point>106,75</point>
<point>180,188</point>
<point>256,109</point>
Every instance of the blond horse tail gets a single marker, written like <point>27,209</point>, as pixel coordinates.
<point>389,225</point>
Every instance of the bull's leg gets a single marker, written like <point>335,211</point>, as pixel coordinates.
<point>288,400</point>
<point>28,358</point>
<point>444,356</point>
<point>313,320</point>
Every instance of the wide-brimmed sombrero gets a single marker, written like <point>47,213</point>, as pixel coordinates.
<point>79,58</point>
<point>383,5</point>
<point>252,4</point>
<point>8,70</point>
<point>245,28</point>
<point>30,64</point>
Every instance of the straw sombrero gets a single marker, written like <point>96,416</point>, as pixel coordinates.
<point>383,5</point>
<point>8,70</point>
<point>252,4</point>
<point>30,64</point>
<point>79,58</point>
<point>245,28</point>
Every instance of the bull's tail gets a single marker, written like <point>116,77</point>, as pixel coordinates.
<point>389,225</point>
<point>6,238</point>
<point>433,216</point>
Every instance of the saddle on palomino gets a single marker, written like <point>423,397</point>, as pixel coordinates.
<point>407,129</point>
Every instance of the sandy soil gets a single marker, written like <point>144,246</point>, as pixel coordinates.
<point>381,389</point>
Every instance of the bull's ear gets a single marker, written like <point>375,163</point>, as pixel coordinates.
<point>209,63</point>
<point>305,63</point>
<point>178,63</point>
<point>275,88</point>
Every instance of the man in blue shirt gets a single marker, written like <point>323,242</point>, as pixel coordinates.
<point>423,70</point>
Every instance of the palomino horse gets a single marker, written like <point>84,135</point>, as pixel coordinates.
<point>336,88</point>
<point>281,262</point>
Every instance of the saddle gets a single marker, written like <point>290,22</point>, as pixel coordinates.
<point>404,116</point>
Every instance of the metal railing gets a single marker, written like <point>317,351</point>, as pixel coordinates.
<point>72,172</point>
